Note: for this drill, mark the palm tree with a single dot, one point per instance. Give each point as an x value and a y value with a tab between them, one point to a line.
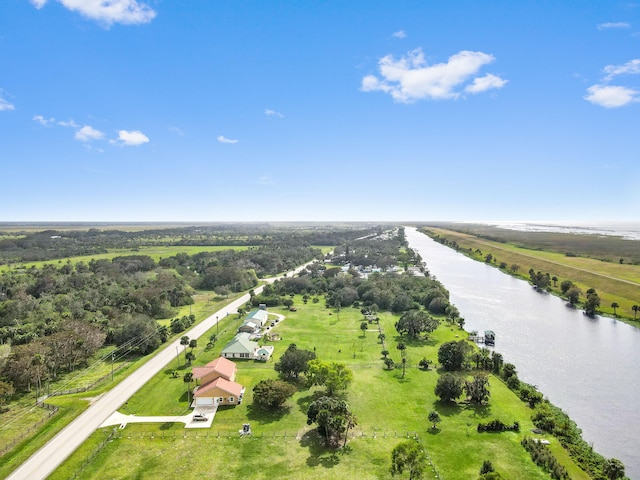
363	327
193	343
188	377
404	365
382	337
614	305
184	340
555	281
635	309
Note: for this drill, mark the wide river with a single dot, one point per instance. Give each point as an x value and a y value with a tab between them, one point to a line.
589	367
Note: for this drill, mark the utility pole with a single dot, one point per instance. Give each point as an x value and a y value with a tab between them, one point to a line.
113	359
217	326
178	356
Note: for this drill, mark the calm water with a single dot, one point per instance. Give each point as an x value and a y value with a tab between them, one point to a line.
589	367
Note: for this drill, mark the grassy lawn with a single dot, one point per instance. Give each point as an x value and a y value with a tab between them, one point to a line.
388	407
611	280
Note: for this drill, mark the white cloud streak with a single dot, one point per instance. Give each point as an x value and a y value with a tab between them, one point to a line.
410	78
399	34
488	82
45	122
273	113
4	104
88	133
108	12
613	25
223	139
133	138
630	68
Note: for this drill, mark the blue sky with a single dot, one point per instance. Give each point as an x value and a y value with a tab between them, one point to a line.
202	110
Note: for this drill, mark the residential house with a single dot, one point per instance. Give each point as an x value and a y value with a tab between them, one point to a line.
217	384
241	346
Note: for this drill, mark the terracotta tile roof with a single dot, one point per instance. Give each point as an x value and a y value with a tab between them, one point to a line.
225	368
223	384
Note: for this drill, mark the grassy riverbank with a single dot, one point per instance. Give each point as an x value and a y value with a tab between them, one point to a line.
389	406
615	282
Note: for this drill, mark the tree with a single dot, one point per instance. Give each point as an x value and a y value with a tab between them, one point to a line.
6	390
187	379
272	394
184	340
565	286
434	418
333	417
381	336
409	456
451	355
193	343
404	366
189	357
413	323
514	267
476	388
293	362
592	303
636	309
554	279
389	363
613	469
385	353
287	302
403	349
449	387
615	305
332	375
424	363
487	467
364	326
573	295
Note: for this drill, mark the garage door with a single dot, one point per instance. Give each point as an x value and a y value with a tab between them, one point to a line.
204	401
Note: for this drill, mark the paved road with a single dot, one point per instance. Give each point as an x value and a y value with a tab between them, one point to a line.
50	456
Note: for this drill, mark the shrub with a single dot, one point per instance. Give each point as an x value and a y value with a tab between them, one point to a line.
498	426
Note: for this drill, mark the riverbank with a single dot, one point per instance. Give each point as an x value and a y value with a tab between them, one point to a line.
582	364
616	284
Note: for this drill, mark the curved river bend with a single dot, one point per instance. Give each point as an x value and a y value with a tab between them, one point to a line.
589	367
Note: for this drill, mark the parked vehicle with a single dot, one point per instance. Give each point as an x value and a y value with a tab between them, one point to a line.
200	417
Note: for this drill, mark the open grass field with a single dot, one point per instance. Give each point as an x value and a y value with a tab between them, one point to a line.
388	407
614	282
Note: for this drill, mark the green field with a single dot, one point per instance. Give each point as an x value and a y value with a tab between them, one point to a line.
388	407
614	282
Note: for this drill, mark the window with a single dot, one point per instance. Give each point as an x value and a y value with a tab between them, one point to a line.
231	399
221	399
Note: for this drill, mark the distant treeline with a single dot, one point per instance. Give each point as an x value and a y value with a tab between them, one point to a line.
53	244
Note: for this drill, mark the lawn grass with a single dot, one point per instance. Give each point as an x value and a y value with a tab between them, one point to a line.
388	405
614	282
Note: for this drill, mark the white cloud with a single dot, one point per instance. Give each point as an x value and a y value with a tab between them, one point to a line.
273	113
610	25
177	131
45	122
69	123
614	96
411	78
133	138
88	133
4	104
399	34
223	139
482	84
610	96
128	12
630	68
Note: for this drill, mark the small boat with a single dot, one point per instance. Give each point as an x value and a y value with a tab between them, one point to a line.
489	337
